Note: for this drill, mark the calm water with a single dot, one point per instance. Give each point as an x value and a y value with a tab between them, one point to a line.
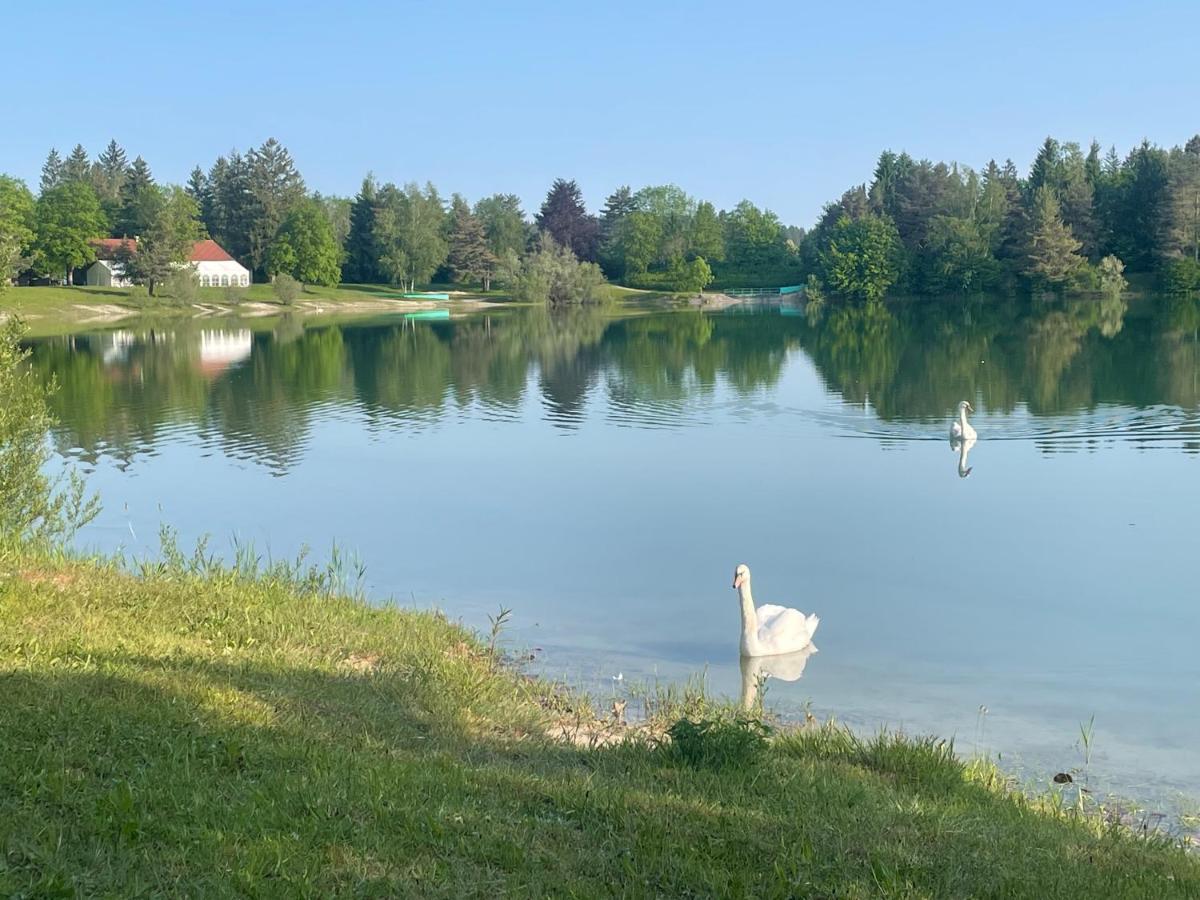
602	474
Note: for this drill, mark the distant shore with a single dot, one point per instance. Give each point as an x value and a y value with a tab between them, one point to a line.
60	310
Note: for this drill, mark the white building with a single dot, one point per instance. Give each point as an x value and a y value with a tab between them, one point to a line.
106	271
213	266
216	268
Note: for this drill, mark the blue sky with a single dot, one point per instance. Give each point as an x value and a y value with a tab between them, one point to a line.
786	104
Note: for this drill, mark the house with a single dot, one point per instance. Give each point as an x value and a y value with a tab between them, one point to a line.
212	265
216	268
106	271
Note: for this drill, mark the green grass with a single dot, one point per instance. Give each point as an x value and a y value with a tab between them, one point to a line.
209	734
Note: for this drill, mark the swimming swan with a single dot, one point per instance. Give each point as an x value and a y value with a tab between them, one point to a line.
960	427
770	630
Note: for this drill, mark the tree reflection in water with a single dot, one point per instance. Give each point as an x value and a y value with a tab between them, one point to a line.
258	394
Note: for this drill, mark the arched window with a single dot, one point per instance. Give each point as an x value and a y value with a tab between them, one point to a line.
245	280
203	281
224	281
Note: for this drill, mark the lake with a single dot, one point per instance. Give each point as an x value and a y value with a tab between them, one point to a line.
601	473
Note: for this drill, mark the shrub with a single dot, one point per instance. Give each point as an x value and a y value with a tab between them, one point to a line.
183	286
1112	277
551	274
1181	276
287	289
716	743
32	506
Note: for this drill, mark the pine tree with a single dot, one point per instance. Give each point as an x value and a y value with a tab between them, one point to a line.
276	188
111	170
470	257
1045	167
77	167
1184	229
1140	218
564	217
362	254
1112	163
1092	167
140	200
52	171
708	237
619	205
197	188
1053	252
229	211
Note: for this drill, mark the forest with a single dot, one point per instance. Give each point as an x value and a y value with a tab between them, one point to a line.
1078	222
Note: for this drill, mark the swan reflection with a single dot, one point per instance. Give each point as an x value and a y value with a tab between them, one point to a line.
757	669
962	448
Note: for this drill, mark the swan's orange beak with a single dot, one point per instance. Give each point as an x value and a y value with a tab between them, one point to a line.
737	581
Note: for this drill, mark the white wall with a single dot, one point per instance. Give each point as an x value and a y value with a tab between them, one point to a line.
225	272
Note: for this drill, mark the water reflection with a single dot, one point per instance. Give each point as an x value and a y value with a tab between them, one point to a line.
1058	368
962	446
757	670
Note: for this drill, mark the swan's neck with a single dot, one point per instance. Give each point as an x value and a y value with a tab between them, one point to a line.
962	419
749	620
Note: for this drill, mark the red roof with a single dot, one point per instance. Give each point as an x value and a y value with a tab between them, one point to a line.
106	248
209	251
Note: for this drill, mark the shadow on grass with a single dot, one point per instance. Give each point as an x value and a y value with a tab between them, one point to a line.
220	777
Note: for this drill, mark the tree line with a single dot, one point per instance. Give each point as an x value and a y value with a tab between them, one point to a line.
257	207
1077	222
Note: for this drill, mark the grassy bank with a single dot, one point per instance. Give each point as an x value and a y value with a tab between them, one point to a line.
59	310
179	735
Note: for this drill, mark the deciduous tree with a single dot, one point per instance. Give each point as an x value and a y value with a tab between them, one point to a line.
68	217
305	247
862	258
504	223
16	227
409	233
166	242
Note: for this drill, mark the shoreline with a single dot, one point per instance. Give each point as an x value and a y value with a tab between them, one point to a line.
62	312
48	311
218	732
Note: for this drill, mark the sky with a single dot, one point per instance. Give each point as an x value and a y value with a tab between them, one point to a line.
785	104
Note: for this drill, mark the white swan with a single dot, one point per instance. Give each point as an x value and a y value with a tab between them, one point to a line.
770	630
962	448
960	427
757	669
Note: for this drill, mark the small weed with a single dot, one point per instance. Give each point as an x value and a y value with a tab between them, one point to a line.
499	621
